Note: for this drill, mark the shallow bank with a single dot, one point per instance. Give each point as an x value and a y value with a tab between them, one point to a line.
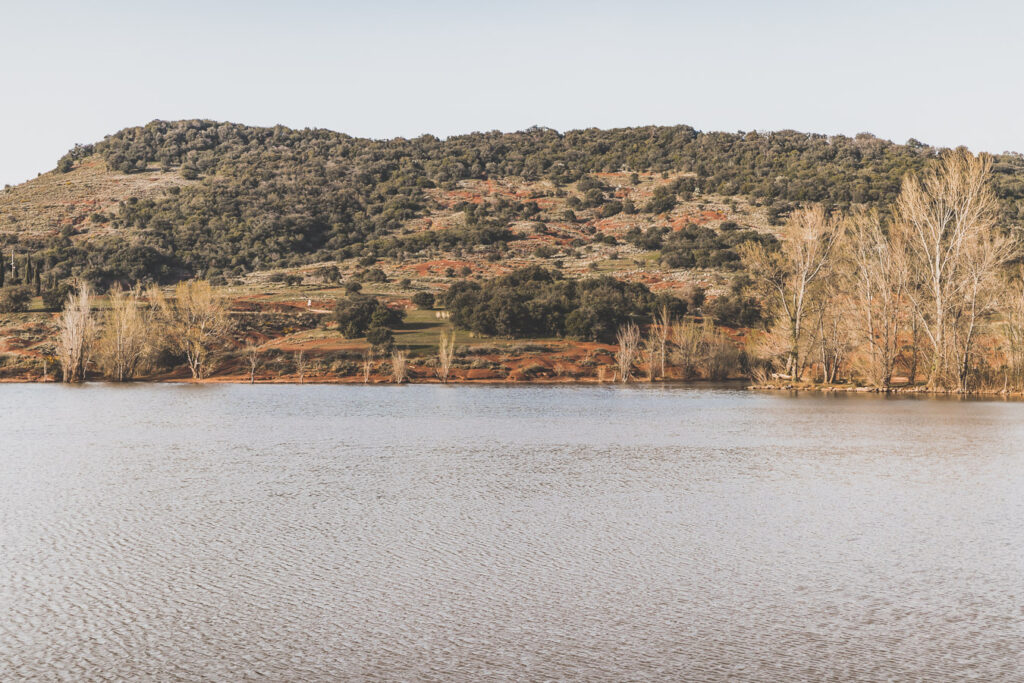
903	390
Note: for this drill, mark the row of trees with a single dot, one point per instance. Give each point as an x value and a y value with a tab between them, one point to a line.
923	289
694	349
137	328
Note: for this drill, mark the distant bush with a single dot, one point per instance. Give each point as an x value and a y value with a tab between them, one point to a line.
662	200
374	275
15	298
329	274
381	338
356	314
55	297
701	247
423	299
610	209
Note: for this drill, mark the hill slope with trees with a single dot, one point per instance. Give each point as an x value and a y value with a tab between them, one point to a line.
227	199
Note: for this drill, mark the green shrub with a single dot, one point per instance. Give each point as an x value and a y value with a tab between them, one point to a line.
15	298
356	314
423	300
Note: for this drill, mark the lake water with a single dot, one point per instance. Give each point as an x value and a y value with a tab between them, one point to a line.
489	533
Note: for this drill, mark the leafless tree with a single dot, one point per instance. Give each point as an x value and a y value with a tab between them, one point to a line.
196	319
788	277
629	343
947	220
300	366
687	338
76	332
832	334
252	356
399	366
875	274
124	346
981	296
661	330
651	351
1012	332
721	355
367	366
445	354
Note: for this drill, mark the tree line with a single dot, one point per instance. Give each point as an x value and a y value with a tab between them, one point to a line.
928	290
140	329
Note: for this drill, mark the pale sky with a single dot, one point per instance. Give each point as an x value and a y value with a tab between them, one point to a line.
942	72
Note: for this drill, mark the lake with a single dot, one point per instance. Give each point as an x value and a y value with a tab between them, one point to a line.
481	533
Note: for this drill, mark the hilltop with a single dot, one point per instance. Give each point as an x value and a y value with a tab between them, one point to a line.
174	200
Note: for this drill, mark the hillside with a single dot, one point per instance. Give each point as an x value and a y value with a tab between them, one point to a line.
535	250
173	200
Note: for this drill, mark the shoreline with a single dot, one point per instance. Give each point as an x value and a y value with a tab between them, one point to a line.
739	384
891	391
234	379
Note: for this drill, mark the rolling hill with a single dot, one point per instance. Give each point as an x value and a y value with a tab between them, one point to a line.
173	200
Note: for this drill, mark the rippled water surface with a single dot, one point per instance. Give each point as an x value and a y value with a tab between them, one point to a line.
472	533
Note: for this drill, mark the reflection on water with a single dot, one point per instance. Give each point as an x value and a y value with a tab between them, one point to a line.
429	532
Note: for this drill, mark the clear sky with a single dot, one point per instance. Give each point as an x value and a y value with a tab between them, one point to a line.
945	73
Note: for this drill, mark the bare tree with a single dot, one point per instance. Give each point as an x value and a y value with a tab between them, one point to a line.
981	296
124	345
686	353
76	332
704	349
367	366
721	355
399	366
947	220
629	343
661	330
832	333
1013	332
445	354
875	274
788	277
196	319
300	366
252	356
651	350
